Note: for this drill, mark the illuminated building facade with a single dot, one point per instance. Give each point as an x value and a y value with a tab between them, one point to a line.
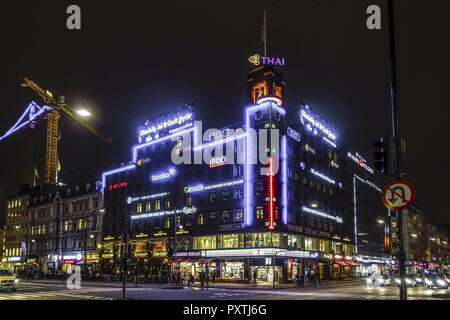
231	215
16	229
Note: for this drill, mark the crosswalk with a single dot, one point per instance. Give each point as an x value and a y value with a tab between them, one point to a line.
63	294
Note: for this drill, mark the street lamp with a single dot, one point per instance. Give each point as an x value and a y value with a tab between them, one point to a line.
83	112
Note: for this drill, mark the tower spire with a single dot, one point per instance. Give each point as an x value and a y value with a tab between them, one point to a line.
264	33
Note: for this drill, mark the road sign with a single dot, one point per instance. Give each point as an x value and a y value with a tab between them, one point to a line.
398	195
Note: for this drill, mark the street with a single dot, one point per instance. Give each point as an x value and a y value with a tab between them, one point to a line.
350	290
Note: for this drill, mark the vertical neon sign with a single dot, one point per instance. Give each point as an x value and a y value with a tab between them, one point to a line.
271	227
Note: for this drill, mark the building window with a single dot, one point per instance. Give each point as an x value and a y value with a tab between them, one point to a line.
225	216
167	204
238	215
238	193
226	194
212	196
188	220
158	205
260	212
200	219
167	223
139	208
259	188
212	217
148	206
189	201
203	243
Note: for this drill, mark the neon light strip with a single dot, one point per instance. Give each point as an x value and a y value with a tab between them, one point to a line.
373	185
111	172
329	141
324	177
271	227
140	146
32	116
322	214
285	179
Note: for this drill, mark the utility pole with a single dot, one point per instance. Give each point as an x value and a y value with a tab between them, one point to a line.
264	33
397	170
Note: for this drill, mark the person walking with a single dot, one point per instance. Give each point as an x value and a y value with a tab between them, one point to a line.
297	280
255	276
213	277
302	280
202	279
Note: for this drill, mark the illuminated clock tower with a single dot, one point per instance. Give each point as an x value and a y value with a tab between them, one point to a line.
266	201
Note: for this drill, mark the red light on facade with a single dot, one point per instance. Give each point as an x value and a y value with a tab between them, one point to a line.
271	227
118	185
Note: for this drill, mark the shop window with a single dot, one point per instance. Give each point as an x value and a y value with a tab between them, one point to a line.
312	222
139	208
259	240
231	241
204	243
260	212
312	244
324	246
336	247
296	242
297	176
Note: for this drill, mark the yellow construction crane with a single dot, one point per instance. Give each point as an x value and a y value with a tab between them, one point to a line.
51	156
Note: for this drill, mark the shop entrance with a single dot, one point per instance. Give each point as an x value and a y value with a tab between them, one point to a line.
265	274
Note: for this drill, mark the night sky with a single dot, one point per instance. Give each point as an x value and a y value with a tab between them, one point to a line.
134	60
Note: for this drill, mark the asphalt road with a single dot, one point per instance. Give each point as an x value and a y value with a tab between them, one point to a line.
37	290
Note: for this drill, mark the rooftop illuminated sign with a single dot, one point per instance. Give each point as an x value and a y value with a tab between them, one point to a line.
174	121
317	125
163	175
360	161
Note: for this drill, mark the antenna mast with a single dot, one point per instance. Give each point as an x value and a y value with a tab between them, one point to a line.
264	37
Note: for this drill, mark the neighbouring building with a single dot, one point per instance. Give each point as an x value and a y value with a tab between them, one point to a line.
65	228
2	244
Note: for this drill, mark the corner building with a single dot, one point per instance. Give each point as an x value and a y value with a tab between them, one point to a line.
233	215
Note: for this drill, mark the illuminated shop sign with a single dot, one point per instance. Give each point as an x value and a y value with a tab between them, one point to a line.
322	214
167	124
118	185
360	161
309	149
141	162
147	197
217	162
14	259
293	134
256	59
225	133
72	257
202	187
318	126
185	210
322	176
188	254
164	175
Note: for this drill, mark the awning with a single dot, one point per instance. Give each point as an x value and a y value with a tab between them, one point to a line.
351	263
341	263
198	260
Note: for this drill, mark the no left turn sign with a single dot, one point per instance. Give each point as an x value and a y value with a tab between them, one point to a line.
398	195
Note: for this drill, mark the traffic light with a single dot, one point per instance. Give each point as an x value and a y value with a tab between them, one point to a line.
380	155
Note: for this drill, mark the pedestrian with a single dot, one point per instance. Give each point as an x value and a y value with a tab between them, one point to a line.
255	276
297	280
302	280
213	277
202	279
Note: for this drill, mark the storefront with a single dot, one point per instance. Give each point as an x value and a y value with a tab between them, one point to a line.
232	270
369	266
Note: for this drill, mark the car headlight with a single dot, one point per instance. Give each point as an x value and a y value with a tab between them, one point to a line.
397	280
16	280
408	281
441	282
419	280
428	282
380	280
446	279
